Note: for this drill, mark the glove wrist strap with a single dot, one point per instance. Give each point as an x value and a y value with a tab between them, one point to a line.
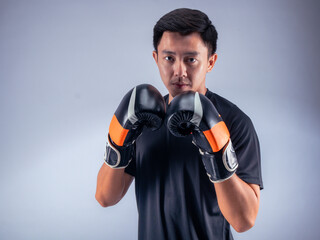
222	165
117	157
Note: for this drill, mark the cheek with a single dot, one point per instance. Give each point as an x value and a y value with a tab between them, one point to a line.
165	72
198	72
197	76
203	69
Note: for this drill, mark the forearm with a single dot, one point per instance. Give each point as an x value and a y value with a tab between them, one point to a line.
111	185
238	202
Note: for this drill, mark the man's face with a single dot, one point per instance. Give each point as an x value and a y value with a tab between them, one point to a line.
183	62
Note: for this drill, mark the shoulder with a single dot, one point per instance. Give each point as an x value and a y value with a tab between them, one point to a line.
218	101
238	123
229	111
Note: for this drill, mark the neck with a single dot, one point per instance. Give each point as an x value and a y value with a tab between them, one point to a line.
201	92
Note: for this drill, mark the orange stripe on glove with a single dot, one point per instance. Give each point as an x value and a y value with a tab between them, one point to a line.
217	136
117	133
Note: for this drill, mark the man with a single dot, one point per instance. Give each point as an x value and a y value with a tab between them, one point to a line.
183	190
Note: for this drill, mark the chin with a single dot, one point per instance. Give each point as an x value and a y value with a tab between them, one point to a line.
176	92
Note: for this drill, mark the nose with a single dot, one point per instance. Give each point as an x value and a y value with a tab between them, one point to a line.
180	69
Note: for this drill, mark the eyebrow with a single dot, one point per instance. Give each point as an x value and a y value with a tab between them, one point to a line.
193	53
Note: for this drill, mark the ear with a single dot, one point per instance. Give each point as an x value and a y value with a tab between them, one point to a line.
212	60
155	56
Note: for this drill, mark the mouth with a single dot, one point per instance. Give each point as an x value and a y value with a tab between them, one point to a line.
181	85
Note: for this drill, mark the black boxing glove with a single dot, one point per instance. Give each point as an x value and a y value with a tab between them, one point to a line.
143	106
191	112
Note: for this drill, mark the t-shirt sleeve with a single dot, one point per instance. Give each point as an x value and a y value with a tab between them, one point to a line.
131	168
246	144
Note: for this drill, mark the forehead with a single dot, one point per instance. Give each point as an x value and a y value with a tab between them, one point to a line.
173	41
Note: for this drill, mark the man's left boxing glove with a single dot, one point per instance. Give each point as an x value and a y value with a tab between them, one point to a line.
143	106
191	112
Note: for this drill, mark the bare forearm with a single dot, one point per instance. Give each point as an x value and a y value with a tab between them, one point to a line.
111	185
238	202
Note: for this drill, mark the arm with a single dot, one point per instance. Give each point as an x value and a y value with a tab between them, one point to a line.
238	202
112	185
141	106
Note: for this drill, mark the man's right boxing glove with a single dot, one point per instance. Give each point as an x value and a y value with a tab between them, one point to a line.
143	106
191	112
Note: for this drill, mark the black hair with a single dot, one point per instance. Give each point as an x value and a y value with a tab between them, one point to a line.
186	21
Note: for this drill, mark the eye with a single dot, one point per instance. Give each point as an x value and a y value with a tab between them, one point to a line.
169	58
191	60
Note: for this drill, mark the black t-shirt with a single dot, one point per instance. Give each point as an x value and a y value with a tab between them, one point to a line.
175	197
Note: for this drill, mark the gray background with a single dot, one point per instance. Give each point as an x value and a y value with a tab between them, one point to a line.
64	67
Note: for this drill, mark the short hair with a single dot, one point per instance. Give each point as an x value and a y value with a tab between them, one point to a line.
186	21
